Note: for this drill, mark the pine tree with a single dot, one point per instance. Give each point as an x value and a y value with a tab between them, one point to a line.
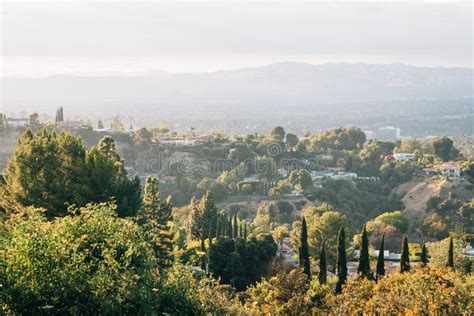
229	227
424	257
304	262
236	227
405	257
364	261
341	262
322	265
450	260
380	258
155	217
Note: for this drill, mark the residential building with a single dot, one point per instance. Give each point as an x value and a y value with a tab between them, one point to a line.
404	157
388	134
450	170
16	122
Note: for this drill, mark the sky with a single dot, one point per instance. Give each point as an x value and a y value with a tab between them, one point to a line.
44	38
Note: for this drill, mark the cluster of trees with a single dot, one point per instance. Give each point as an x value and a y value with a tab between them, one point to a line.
51	171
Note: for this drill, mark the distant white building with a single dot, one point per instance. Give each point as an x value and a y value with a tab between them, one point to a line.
450	170
16	122
404	157
388	134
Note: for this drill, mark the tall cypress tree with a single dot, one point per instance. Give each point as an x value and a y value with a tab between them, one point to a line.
450	261
405	257
322	265
155	217
364	261
380	258
341	262
304	262
245	231
424	256
241	230
236	227
229	227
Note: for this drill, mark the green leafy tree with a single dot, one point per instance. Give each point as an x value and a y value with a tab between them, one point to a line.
301	177
155	217
278	134
341	263
444	148
303	253
405	256
364	261
87	262
380	259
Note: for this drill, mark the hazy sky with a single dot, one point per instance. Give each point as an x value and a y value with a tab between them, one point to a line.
125	38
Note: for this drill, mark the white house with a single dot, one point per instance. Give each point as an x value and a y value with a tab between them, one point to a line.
404	157
16	122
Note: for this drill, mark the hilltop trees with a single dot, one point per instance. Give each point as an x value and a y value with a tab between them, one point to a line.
50	171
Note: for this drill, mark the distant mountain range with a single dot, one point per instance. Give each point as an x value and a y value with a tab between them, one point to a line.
277	85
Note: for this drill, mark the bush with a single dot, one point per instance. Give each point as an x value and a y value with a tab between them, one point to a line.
92	262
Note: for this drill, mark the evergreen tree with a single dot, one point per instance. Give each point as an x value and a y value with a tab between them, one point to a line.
155	217
405	257
450	260
241	230
341	262
229	227
322	266
245	231
304	262
380	258
424	257
236	227
364	261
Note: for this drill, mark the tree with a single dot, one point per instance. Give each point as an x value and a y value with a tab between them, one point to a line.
424	255
304	262
236	227
34	118
405	256
341	262
450	260
322	276
202	218
278	134
301	177
444	148
155	217
291	141
364	261
380	259
87	262
280	233
100	125
51	171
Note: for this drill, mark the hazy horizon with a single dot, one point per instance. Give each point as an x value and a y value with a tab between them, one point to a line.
116	38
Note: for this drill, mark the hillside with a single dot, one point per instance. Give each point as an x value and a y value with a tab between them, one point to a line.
278	85
417	193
